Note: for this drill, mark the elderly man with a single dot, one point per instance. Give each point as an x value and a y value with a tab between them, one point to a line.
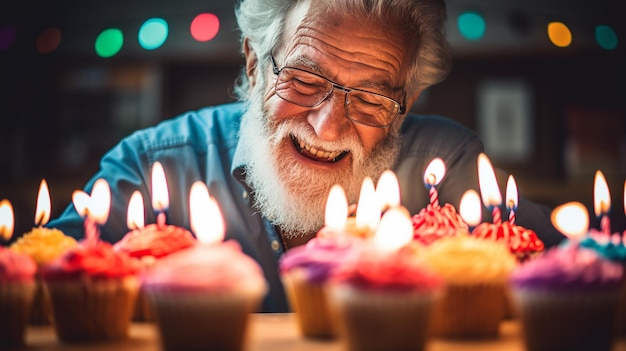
326	90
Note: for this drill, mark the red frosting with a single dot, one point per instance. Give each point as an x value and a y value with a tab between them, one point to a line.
155	240
97	260
521	241
435	222
16	267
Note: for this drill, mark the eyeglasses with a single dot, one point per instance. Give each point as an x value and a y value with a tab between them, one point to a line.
308	89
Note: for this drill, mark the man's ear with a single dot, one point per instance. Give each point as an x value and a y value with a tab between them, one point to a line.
251	62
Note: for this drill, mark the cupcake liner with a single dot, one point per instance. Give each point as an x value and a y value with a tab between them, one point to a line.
381	321
201	320
41	311
470	311
92	310
567	320
620	323
309	302
15	304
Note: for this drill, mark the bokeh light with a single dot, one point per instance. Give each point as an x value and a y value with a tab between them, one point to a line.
109	42
153	33
48	40
606	37
559	34
204	27
471	25
7	36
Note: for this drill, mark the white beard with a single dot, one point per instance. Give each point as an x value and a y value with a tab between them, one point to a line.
289	194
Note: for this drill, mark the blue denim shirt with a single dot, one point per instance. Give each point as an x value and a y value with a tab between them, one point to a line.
203	145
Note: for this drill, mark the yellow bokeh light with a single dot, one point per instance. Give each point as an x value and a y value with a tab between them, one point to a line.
559	34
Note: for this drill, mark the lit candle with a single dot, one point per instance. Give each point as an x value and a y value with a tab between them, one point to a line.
388	190
511	198
135	213
602	202
6	220
94	208
205	215
160	197
43	209
395	230
368	209
470	208
336	212
434	173
571	219
492	198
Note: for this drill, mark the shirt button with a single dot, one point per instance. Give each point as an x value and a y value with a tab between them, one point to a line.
245	195
275	245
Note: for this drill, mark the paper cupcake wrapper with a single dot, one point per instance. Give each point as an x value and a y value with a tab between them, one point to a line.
15	304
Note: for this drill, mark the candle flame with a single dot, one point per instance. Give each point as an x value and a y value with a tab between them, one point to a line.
601	195
368	209
488	183
205	215
95	206
80	199
43	209
470	208
435	171
571	219
6	220
160	197
511	193
135	214
336	208
388	190
395	230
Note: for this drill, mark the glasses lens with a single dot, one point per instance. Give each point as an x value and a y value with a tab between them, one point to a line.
371	109
302	88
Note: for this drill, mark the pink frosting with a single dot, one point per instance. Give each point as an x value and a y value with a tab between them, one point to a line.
16	267
155	240
374	270
435	222
521	241
221	267
97	260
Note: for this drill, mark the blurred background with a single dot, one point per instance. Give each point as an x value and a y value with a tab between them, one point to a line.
542	81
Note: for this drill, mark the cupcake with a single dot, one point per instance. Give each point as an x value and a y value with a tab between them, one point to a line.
203	295
383	301
44	245
305	271
476	273
522	242
567	299
17	289
92	290
149	244
435	222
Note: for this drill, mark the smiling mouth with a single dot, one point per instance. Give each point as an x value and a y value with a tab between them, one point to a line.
314	154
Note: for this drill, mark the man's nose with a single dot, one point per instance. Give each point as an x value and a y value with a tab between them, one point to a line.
329	119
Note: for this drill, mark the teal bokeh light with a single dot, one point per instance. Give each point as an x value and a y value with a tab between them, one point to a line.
606	37
109	42
153	33
471	25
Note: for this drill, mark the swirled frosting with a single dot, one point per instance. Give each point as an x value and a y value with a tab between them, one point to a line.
610	247
379	271
566	269
221	267
155	240
44	244
16	267
434	222
464	259
522	242
319	257
96	260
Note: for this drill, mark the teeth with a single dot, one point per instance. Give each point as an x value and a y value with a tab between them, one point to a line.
329	155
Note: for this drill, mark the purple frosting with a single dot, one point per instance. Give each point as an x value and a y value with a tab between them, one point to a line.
320	256
570	268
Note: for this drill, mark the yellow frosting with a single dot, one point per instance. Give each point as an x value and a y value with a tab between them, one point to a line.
464	259
43	244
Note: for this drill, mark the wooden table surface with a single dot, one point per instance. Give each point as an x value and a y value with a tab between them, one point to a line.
273	332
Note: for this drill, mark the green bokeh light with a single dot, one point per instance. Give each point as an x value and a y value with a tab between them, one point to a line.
109	42
606	37
471	25
153	33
